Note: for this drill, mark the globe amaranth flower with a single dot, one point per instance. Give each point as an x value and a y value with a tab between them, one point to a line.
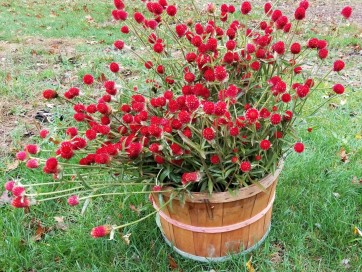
299	147
346	12
101	231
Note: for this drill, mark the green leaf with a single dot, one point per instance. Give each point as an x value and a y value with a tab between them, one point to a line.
191	144
211	186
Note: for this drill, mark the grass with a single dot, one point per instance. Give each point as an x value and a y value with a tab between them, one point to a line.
317	203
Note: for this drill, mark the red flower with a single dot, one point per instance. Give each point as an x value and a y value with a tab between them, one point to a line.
295	48
252	115
43	133
50	94
21	156
299	147
208	134
125	29
299	13
234	131
91	134
230	45
245	7
190	177
9	185
304	4
338	65
31	149
18	191
312	43
208	107
181	30
220	73
73	200
209	75
276	14
338	89
33	163
265	144
51	164
189	77
72	132
245	166
184	117
286	98
158	47
267	8
220	108
346	12
215	159
114	67
275	118
171	10
118	4
88	79
255	65
138	16
323	53
101	231
134	149
148	64
102	158
279	47
20	202
302	91
192	102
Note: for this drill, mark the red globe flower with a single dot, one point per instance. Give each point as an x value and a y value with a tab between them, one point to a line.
299	147
265	144
245	166
346	12
338	89
245	7
88	79
208	134
101	231
338	65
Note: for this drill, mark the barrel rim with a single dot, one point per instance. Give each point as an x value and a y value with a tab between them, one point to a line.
224	197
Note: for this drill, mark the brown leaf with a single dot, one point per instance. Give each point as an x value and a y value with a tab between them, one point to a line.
8	78
12	166
126	238
135	209
5	198
33	53
102	78
40	231
54	141
85	8
343	155
60	223
356	181
172	263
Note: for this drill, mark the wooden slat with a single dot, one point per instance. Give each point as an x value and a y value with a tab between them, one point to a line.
207	215
257	228
183	239
166	227
235	212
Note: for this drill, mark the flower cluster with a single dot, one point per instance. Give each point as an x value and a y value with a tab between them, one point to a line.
216	110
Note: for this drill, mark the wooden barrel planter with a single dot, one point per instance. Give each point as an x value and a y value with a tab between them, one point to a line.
211	228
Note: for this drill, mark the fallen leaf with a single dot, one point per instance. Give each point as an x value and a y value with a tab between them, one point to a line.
135	209
12	166
337	195
40	231
345	263
85	8
5	198
333	106
54	141
126	238
343	155
249	265
172	263
33	52
89	19
102	78
357	231
8	78
60	223
356	181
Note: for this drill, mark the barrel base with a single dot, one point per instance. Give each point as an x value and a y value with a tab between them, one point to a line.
209	259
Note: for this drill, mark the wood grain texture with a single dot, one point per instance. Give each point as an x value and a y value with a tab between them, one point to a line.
211	212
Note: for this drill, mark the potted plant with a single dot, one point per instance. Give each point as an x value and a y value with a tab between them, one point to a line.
205	132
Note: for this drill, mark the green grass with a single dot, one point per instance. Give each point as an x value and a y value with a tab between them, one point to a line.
316	207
